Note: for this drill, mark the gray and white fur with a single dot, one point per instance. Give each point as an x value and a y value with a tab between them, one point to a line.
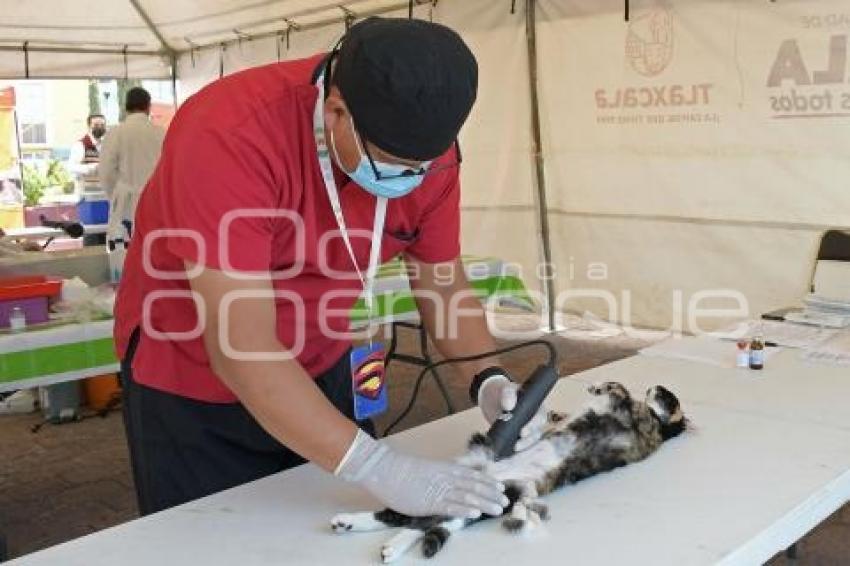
611	431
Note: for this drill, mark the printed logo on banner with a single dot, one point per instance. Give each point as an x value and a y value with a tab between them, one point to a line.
810	73
649	51
649	42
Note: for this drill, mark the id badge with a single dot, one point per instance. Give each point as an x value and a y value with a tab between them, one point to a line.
367	381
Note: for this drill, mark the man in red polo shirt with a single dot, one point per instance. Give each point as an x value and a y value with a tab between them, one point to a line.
279	191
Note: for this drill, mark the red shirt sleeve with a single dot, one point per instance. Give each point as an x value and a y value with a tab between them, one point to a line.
223	194
439	230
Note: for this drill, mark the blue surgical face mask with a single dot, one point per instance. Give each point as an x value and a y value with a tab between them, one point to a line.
393	187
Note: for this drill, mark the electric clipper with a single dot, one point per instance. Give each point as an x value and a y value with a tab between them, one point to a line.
504	433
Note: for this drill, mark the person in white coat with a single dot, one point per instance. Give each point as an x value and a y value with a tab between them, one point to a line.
127	160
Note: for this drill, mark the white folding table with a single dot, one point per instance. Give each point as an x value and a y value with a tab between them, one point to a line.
767	460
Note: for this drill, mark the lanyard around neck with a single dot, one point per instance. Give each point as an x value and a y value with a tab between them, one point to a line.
368	280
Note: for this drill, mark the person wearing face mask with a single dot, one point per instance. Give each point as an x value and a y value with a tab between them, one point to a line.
279	191
85	153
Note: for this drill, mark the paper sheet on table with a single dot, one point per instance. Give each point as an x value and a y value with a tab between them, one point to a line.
821	303
700	349
785	334
835	351
832	280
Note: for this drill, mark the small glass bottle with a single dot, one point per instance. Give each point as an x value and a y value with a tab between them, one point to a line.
17	320
742	360
757	352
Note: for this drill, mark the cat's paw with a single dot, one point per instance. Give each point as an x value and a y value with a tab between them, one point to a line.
390	553
611	388
343	522
394	548
534	519
540	511
357	522
513	525
433	540
554	417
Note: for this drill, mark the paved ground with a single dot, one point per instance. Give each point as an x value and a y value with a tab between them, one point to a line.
70	480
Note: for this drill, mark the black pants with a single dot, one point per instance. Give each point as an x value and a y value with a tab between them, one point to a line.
182	449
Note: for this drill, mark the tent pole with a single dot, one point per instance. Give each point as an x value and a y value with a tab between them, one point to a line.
151	26
174	79
539	172
18	145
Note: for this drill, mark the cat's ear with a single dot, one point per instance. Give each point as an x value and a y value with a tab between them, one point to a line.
673	428
664	404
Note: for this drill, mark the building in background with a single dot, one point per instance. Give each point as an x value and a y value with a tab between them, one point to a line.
162	102
51	116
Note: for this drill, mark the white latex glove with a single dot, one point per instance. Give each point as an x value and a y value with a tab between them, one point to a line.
417	486
498	394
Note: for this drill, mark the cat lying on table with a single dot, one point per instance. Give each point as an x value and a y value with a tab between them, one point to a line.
611	431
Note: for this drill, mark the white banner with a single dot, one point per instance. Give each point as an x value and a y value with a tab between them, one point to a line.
702	146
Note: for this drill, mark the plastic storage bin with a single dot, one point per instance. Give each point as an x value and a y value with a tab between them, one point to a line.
93	211
60	403
30	293
102	391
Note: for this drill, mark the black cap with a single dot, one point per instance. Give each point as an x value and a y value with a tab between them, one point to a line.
409	84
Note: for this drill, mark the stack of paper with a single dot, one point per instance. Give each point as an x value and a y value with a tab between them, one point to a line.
834	351
823	311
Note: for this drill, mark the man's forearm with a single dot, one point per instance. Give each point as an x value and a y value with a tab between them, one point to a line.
467	335
280	395
287	403
455	320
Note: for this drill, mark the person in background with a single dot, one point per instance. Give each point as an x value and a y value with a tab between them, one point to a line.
85	153
129	155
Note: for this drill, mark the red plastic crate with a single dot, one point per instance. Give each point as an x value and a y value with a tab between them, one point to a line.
28	287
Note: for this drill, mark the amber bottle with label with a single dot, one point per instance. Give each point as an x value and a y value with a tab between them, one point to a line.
757	353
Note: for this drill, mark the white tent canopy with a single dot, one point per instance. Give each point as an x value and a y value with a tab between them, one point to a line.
89	38
691	157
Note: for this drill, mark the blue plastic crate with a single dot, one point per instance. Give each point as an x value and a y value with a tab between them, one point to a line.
93	211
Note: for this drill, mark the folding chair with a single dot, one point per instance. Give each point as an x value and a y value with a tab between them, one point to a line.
834	246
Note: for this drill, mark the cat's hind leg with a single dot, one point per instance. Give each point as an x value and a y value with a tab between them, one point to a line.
527	510
518	518
538	509
432	531
358	522
400	543
380	520
435	538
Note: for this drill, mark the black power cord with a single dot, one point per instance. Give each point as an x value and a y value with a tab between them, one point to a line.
418	384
